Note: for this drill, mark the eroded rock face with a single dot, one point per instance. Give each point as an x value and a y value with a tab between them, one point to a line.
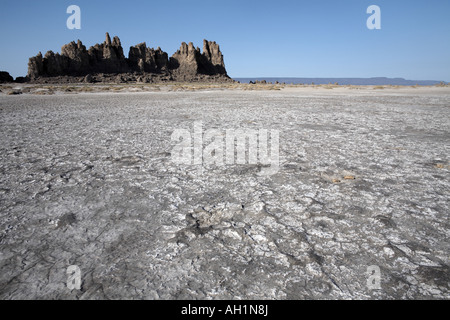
186	60
107	57
188	63
213	57
145	59
56	64
77	58
36	66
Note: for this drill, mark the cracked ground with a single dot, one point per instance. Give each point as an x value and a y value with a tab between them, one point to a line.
88	180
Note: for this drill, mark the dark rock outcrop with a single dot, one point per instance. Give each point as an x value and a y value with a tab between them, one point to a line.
107	57
21	80
188	61
187	64
36	67
145	59
213	62
5	77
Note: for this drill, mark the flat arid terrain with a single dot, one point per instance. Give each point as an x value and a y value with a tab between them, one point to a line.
357	209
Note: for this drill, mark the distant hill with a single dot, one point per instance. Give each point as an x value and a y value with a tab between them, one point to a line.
346	81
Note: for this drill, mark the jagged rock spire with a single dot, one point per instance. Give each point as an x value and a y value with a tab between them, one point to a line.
108	39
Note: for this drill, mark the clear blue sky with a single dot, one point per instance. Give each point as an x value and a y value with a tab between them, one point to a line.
259	38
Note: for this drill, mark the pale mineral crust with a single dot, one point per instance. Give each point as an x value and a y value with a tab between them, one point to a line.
88	180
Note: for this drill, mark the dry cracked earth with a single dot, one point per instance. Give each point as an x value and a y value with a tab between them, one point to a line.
88	180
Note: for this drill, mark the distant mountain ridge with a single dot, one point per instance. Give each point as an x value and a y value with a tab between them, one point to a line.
345	81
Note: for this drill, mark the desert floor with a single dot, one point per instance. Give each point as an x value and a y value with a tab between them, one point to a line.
88	179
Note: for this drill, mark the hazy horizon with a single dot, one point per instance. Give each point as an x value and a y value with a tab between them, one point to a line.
344	81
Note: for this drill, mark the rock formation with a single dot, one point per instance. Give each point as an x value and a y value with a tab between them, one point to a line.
213	57
5	77
107	57
143	64
188	61
143	59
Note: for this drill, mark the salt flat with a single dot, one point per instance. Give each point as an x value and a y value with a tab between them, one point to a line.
88	180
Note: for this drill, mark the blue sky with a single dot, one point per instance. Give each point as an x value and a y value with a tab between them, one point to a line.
259	38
